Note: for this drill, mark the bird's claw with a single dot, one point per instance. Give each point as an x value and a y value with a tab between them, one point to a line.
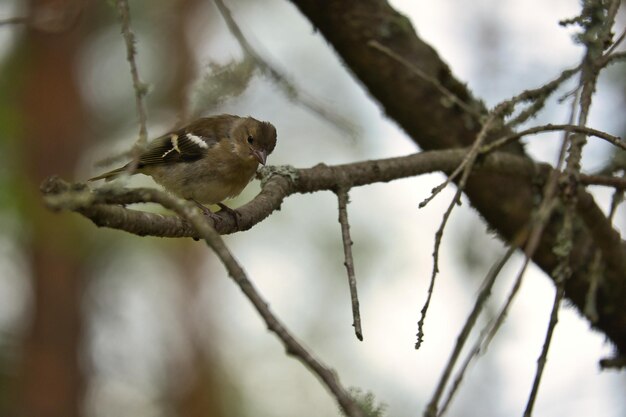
234	213
223	207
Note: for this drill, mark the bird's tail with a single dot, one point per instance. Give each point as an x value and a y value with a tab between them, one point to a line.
108	176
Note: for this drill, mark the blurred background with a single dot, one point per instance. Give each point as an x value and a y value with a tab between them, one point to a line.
99	322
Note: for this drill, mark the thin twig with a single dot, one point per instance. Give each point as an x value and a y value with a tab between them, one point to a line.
435	271
616	57
140	88
588	79
503	108
292	346
541	217
481	299
435	191
613	47
619	183
562	249
194	216
541	362
458	379
538	97
289	88
342	197
467	163
423	75
615	140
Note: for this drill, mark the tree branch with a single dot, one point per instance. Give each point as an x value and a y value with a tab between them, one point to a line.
104	208
81	199
434	122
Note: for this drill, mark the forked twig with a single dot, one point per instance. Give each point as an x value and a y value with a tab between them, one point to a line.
467	164
194	216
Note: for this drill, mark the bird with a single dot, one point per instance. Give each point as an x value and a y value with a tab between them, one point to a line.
208	161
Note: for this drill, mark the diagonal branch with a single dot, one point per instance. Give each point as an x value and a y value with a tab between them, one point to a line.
83	198
426	115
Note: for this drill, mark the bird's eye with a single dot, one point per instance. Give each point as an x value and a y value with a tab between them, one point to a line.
250	140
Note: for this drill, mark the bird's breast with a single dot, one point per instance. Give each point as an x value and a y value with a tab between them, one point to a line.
206	181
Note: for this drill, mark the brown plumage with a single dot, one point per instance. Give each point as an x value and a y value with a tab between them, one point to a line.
208	161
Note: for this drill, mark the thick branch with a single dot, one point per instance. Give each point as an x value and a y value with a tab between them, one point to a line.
104	208
427	115
108	209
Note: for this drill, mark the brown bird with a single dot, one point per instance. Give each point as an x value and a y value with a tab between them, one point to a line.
209	160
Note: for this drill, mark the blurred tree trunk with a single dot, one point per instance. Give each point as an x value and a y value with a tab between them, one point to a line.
50	383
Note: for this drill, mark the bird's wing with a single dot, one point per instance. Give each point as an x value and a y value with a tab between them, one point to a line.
179	146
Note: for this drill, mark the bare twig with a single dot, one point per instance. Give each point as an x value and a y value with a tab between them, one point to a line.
435	191
561	277
435	271
415	70
202	225
541	362
289	88
538	97
140	88
619	183
458	379
467	163
616	57
613	47
291	344
342	197
595	39
541	217
615	140
481	299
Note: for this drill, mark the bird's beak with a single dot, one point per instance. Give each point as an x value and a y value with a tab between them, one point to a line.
260	155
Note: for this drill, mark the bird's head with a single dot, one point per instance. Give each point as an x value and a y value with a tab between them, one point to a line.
254	140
